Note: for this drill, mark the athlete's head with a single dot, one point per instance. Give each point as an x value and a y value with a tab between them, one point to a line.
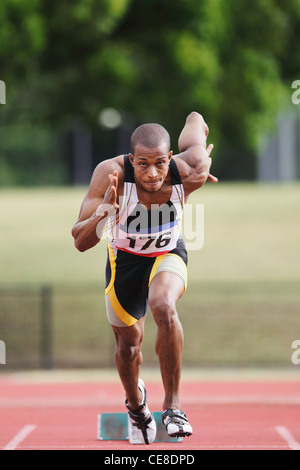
150	155
149	135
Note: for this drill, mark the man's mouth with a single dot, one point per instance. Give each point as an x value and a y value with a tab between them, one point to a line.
152	184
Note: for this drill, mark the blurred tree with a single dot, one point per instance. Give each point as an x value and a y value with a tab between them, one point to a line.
155	60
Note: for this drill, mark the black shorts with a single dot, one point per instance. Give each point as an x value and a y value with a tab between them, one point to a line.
128	278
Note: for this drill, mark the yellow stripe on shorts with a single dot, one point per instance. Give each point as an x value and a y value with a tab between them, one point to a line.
165	263
112	262
157	262
110	291
119	310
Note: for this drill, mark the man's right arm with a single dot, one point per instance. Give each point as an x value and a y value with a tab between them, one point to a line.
101	196
194	158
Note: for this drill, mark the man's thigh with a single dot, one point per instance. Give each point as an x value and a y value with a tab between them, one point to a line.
170	279
166	286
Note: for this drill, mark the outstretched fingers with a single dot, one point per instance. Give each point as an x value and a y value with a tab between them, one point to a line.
211	178
209	148
109	204
113	189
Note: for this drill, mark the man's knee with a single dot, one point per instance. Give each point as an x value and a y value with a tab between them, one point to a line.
128	352
129	341
163	311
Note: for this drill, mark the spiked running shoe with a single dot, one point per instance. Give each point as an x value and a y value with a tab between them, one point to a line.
141	424
177	424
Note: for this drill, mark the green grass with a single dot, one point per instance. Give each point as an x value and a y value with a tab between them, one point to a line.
252	232
37	246
242	302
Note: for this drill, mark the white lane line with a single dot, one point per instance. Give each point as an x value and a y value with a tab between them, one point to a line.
19	437
288	437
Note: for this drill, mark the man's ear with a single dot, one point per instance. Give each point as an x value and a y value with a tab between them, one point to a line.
131	158
170	154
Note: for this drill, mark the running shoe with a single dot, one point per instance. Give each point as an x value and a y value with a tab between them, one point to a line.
141	424
177	424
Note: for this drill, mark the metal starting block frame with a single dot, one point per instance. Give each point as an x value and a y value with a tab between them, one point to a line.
114	427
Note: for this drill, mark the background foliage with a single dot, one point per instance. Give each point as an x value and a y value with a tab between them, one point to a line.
153	60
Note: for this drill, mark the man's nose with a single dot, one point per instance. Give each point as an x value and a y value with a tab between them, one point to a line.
152	173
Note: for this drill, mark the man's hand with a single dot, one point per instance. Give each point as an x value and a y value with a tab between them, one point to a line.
211	178
109	205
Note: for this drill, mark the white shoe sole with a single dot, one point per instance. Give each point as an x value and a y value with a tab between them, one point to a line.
139	436
174	430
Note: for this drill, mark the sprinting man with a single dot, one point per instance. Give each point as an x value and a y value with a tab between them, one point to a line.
141	197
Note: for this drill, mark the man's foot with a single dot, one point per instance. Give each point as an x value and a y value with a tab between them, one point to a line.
177	424
141	424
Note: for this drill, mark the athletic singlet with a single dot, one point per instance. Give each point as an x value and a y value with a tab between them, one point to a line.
143	232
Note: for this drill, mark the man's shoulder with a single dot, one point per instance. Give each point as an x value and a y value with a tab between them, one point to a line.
189	175
109	166
193	166
183	168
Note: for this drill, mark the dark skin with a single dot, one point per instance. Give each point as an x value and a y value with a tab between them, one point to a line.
153	183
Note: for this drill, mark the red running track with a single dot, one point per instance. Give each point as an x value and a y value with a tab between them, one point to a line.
229	415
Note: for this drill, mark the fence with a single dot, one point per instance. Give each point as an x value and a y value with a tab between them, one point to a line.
49	326
225	324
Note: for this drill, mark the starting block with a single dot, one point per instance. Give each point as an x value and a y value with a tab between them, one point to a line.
114	427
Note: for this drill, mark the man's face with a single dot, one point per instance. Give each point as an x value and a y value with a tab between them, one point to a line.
151	166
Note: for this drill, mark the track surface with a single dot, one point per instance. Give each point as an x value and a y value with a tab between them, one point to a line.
233	415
